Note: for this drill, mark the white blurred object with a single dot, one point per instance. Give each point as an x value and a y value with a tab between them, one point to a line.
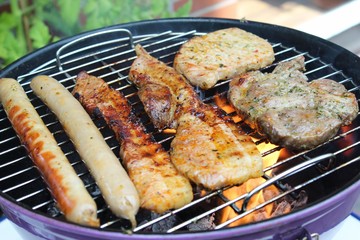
334	21
8	231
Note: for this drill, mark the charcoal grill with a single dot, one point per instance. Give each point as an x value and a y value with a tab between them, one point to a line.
329	174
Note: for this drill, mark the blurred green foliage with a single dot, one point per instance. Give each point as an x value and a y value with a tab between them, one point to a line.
26	25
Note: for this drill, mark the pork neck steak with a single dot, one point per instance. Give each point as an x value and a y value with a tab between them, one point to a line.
220	55
289	110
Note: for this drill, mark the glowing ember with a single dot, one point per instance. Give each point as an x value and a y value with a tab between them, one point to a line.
169	131
226	107
258	198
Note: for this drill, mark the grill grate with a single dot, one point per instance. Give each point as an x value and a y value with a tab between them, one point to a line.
111	60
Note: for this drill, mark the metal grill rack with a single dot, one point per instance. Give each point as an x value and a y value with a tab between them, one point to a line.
111	60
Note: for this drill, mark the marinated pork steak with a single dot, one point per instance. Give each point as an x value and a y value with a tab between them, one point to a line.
289	110
207	148
223	54
161	187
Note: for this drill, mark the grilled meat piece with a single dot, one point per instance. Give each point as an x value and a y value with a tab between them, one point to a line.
289	110
166	95
208	147
161	187
223	54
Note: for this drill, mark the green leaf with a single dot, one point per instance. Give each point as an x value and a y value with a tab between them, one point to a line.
69	11
11	48
15	10
8	21
39	34
69	17
184	10
55	39
159	7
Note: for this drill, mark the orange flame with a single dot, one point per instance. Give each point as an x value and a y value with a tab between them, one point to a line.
255	200
222	103
263	195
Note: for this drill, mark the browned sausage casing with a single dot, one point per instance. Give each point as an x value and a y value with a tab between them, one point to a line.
114	183
66	187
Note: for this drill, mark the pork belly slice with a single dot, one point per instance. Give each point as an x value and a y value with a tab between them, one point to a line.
289	110
220	55
161	187
208	147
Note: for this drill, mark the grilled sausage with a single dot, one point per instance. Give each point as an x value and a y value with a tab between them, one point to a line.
114	183
66	187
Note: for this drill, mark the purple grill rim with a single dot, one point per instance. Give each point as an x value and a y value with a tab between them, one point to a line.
313	218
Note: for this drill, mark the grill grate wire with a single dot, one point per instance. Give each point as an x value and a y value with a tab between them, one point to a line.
111	61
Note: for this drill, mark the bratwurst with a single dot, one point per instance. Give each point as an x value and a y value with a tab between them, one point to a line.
66	187
114	183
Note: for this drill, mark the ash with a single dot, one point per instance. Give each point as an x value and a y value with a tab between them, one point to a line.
206	223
